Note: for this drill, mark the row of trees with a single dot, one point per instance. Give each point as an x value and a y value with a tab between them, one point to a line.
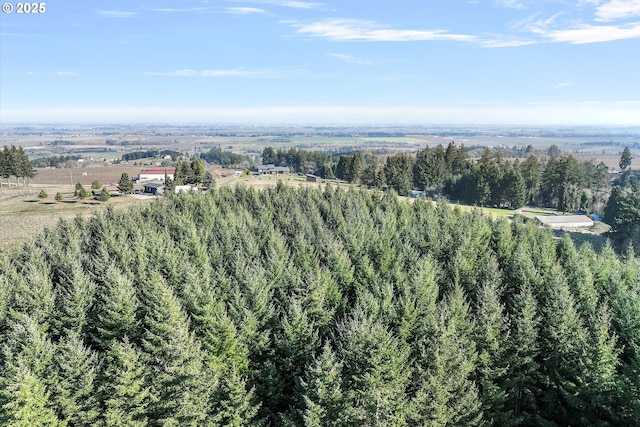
136	155
54	161
14	162
224	158
303	307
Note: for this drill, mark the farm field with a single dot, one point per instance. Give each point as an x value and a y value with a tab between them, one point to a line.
23	215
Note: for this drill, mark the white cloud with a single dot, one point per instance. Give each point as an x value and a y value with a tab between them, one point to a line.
244	10
116	14
617	9
349	59
585	33
563	84
265	73
358	30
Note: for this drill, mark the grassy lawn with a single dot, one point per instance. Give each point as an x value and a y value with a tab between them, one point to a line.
535	212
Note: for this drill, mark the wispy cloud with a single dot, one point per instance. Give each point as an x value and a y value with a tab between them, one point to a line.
346	30
501	41
358	30
349	59
586	33
265	73
116	14
563	84
513	4
180	10
617	9
296	4
244	10
67	73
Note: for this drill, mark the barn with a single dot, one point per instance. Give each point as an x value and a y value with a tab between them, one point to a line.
565	221
156	174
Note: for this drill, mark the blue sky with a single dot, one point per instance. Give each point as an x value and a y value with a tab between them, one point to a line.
323	62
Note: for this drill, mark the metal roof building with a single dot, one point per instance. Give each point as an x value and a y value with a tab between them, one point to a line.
562	221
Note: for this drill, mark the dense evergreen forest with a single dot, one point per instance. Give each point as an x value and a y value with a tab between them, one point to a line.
304	307
560	181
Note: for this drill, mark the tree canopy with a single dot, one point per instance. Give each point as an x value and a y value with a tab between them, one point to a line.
311	307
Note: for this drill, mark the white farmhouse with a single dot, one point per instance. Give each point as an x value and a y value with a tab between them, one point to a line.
156	174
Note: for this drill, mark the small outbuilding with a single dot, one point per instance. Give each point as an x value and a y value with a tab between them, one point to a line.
565	221
312	178
154	188
271	169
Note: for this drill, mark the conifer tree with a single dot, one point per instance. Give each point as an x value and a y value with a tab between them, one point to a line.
523	378
25	401
236	407
80	191
74	297
492	338
625	159
26	374
75	390
115	315
376	371
447	394
33	288
398	173
104	195
564	341
370	174
125	185
324	397
178	383
123	387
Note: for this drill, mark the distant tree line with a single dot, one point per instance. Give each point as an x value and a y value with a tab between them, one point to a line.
14	162
54	161
224	158
136	155
329	165
560	181
311	307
